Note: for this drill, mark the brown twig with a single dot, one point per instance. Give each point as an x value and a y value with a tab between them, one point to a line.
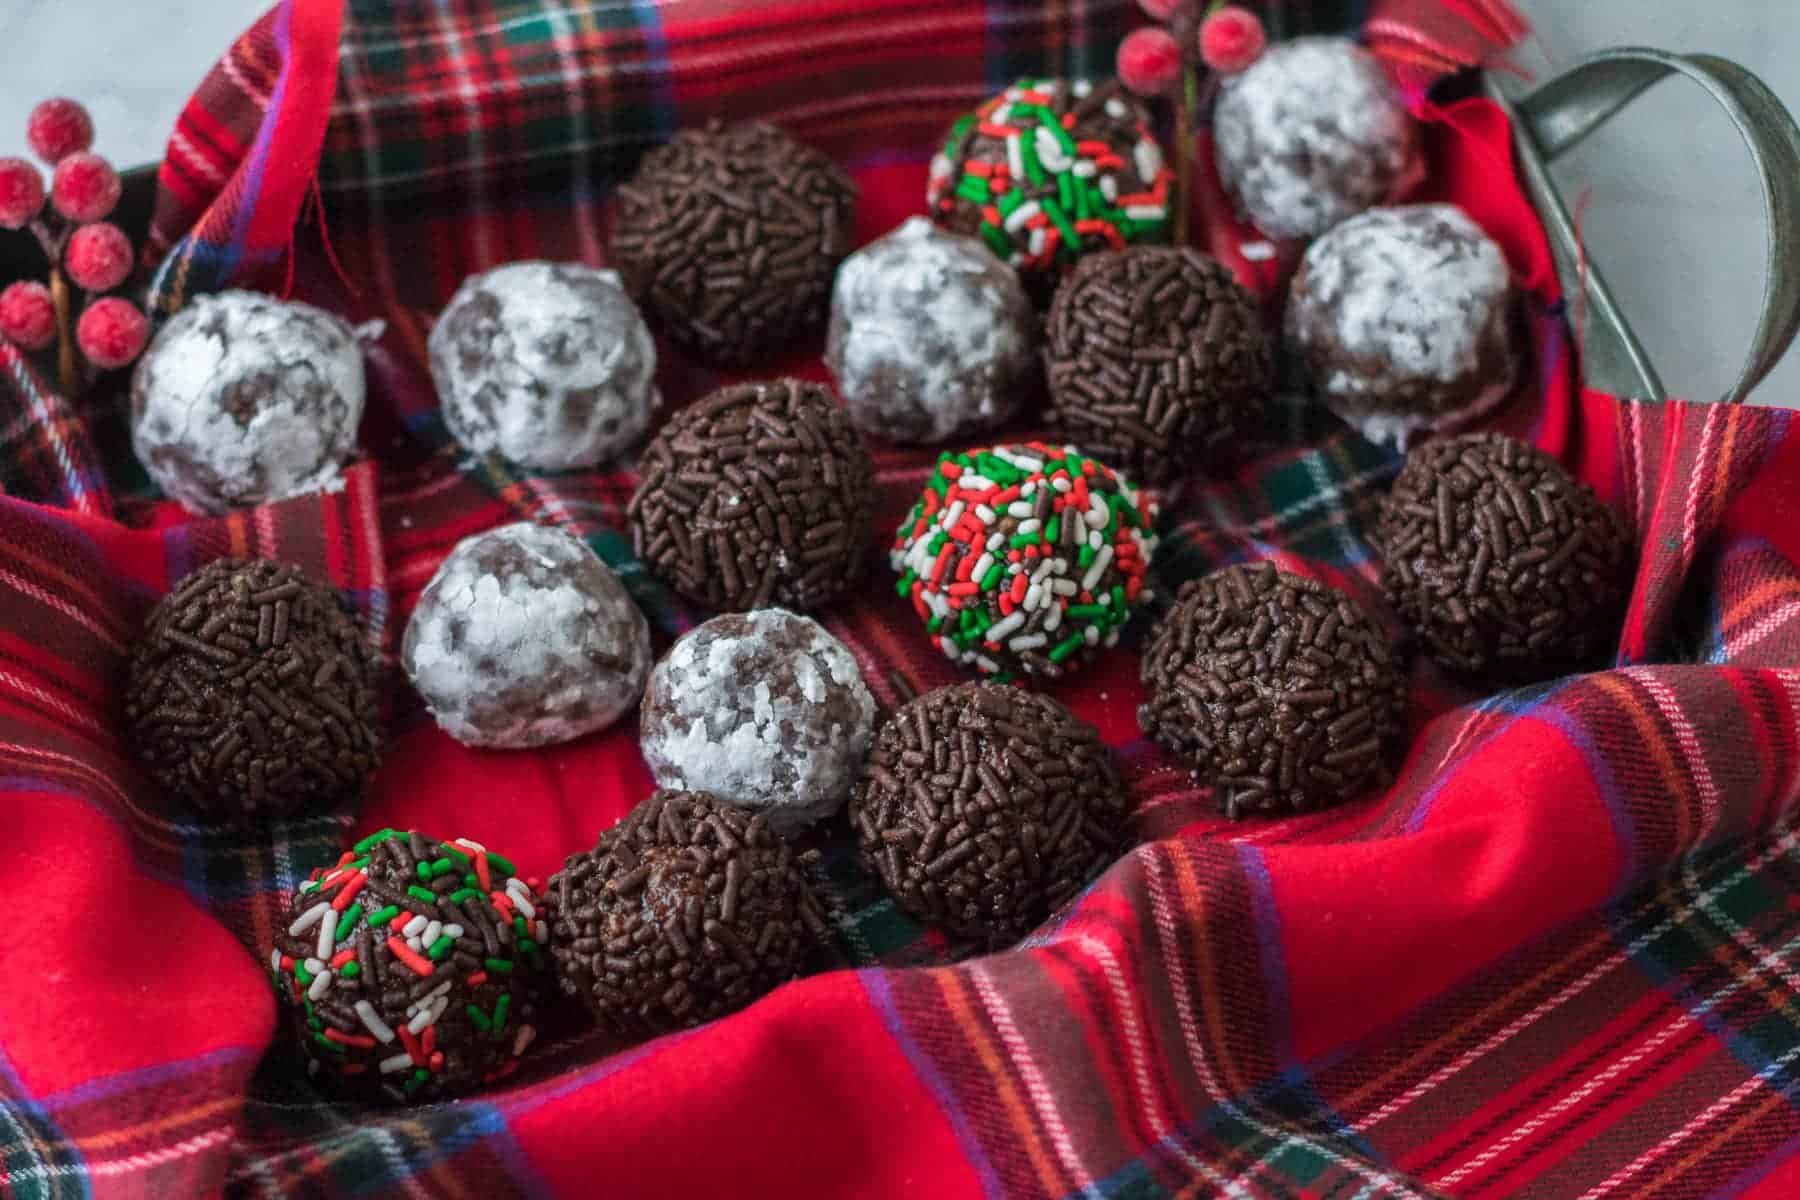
65	332
1182	192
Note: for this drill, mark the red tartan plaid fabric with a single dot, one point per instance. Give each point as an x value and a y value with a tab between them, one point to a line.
1560	957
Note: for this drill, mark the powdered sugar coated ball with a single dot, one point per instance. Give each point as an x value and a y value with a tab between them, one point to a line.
932	336
1402	319
524	637
764	709
242	399
1310	134
547	364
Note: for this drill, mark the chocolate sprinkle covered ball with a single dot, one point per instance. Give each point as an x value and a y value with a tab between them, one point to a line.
524	637
1313	133
411	968
1049	170
758	494
546	364
766	710
1025	559
685	911
242	399
1280	692
1502	563
985	807
932	338
729	237
1402	320
252	694
1158	361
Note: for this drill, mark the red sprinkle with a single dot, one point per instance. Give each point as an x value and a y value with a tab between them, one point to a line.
411	1043
477	979
403	952
340	958
349	1039
349	893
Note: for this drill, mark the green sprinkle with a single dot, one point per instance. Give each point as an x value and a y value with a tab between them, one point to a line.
1085	556
500	864
420	1074
974	190
1051	529
1002	247
527	945
348	921
936	543
439	948
382	916
1008	201
519	924
327	1043
1065	190
1071	240
374	840
1019	541
424	870
461	894
1087	612
480	1018
472	880
963	124
302	974
992	579
419	893
500	1007
502	965
350	970
903	589
1066	647
452	852
1118	595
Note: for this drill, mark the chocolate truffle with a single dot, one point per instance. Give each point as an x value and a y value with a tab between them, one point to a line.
242	399
1049	170
758	494
1402	319
685	911
1025	559
1313	133
1502	563
1279	691
763	709
729	237
252	695
546	364
411	969
1158	361
524	637
932	338
986	807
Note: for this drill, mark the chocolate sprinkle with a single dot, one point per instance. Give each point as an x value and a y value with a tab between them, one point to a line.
1158	361
427	982
252	694
1280	692
1502	564
758	494
685	911
728	238
984	808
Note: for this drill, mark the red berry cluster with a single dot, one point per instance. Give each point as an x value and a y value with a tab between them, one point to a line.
84	248
1226	37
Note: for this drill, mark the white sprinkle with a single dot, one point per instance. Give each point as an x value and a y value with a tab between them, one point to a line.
1050	151
1105	598
996	541
1018	508
986	514
432	930
1095	540
1085	169
1020	215
541	932
415	927
1145	212
1061	483
1015	155
421	1020
275	961
373	1023
526	1034
472	844
1053	618
526	907
1034	598
320	985
425	1001
1092	635
1095	568
1023	462
987	664
1029	641
1112	638
1000	630
307	918
1031	526
1109	187
1115	108
982	565
1004	111
953	514
1063	587
1081	88
327	937
454	931
1257	251
971	482
1096	511
1036	244
1149	161
398	1062
1044	567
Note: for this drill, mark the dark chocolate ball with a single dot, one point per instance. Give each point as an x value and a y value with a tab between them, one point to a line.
1501	562
411	970
985	807
1279	691
728	238
1049	170
757	495
1158	361
252	694
685	911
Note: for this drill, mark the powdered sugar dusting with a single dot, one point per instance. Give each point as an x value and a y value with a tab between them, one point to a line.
524	637
547	364
243	398
1310	134
764	709
931	335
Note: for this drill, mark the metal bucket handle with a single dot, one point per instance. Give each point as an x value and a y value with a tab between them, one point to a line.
1558	115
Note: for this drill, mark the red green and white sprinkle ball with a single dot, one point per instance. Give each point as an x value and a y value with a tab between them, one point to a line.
1025	559
412	966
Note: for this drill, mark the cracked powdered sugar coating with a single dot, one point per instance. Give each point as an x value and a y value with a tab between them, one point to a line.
549	365
932	336
764	709
242	399
524	637
1313	133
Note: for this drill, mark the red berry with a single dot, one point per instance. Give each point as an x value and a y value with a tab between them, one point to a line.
99	256
1159	10
27	315
112	332
85	187
58	128
21	193
1149	61
1231	39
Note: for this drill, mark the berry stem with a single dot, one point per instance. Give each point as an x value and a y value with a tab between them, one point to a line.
65	331
1182	190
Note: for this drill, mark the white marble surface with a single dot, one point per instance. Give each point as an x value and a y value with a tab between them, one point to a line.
1674	217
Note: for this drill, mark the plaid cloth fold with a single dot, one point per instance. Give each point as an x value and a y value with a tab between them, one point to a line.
1559	957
